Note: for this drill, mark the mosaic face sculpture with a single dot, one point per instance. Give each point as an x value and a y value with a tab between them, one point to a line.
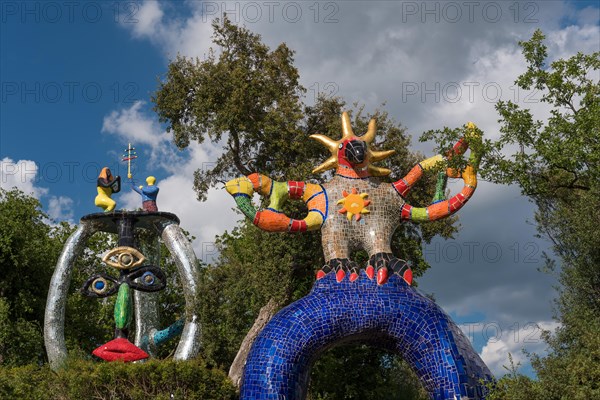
136	307
355	210
132	276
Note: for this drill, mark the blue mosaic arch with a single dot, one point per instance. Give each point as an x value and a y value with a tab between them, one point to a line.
394	315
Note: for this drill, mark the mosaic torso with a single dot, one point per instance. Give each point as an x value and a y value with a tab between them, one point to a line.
373	232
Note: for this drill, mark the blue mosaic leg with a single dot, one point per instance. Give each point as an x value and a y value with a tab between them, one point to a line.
279	362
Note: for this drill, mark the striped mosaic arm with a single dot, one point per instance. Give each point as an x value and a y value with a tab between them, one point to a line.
272	218
442	208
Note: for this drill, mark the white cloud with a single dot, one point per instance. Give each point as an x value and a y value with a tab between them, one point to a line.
190	36
22	175
147	18
132	125
60	208
203	220
513	339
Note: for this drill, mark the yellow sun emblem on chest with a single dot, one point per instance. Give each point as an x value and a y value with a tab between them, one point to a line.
354	204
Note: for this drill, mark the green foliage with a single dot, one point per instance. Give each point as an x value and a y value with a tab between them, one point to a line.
513	385
556	163
573	365
247	91
243	280
110	381
561	157
364	373
559	168
28	246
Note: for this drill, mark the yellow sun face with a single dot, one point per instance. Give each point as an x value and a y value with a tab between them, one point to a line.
354	204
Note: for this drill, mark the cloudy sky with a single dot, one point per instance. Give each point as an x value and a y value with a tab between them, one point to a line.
76	80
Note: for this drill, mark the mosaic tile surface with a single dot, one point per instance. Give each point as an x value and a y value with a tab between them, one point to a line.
394	315
373	232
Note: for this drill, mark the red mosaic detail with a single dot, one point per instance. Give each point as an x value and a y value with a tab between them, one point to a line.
460	147
455	203
382	276
370	271
296	189
406	211
408	276
298	225
401	187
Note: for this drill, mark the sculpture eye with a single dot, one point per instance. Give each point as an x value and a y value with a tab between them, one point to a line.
100	286
341	145
124	257
147	279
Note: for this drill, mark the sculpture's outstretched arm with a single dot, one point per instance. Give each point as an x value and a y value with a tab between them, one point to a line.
404	185
444	208
272	218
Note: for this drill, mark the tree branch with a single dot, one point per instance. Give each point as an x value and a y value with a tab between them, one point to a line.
236	154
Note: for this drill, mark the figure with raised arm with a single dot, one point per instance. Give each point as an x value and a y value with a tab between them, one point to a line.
148	192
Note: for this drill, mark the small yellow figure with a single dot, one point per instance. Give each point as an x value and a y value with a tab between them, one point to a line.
107	185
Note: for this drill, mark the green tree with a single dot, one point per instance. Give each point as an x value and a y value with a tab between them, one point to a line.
247	98
29	245
557	165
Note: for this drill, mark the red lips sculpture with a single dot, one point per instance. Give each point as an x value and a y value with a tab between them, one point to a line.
120	349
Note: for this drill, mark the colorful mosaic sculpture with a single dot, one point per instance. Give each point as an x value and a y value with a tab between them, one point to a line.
378	208
136	306
355	210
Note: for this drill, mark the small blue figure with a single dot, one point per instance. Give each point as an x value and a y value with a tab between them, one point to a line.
149	194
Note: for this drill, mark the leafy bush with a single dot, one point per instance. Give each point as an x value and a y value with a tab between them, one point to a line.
187	380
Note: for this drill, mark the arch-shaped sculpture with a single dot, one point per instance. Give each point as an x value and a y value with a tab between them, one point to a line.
166	225
395	316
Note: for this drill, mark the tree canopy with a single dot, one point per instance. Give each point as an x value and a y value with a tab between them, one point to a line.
556	163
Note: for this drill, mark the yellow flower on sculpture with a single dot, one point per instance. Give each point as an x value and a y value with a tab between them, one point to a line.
354	204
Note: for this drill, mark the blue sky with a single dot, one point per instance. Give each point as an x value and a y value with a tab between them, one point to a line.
76	80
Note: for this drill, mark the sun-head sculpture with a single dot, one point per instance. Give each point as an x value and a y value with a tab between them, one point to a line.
371	210
353	152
